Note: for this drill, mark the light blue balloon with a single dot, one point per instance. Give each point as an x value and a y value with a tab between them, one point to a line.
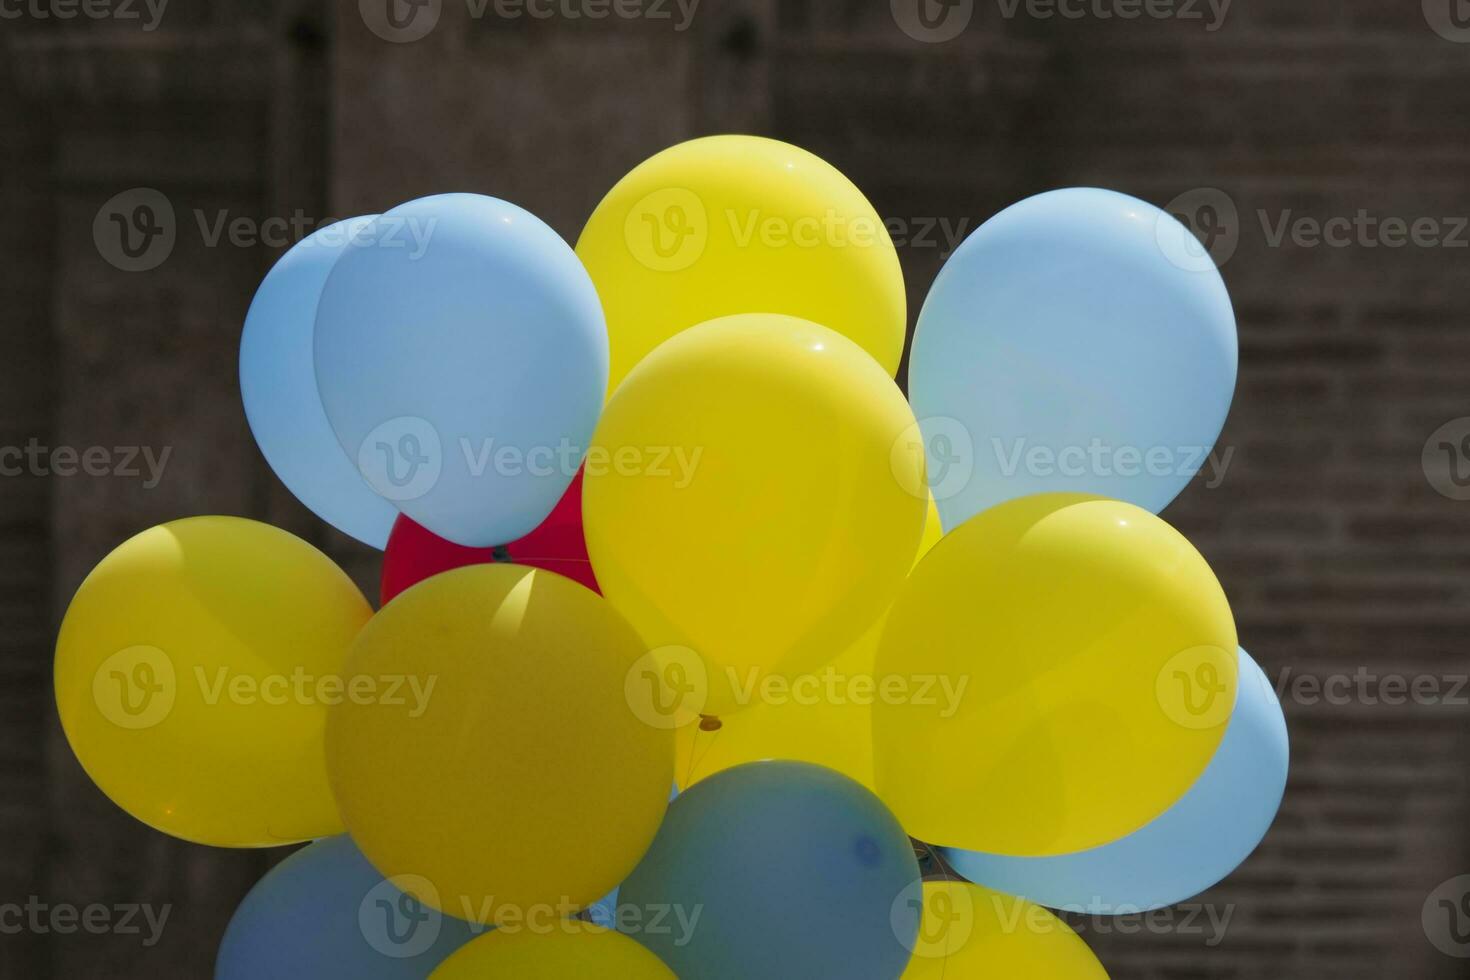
1080	341
1192	846
326	912
462	359
278	386
776	869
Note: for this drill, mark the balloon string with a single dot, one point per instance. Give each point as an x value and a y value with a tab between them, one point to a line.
696	755
946	875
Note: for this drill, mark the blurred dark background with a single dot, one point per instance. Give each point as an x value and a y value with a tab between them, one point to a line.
1340	530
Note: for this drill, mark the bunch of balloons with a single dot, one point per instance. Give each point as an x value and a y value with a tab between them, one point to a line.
655	514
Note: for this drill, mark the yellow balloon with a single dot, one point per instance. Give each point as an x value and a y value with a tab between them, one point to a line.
567	949
193	673
760	518
826	720
740	224
510	776
967	932
1095	654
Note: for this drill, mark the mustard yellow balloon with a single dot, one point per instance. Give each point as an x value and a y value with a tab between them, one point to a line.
967	932
823	717
1096	655
553	952
510	776
740	224
194	670
743	506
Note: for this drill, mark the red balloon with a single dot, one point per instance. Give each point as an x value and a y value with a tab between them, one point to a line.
414	553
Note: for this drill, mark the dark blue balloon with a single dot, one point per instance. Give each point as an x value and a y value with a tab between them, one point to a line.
771	870
326	912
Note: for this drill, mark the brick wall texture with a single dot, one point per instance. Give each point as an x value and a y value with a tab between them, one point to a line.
1339	554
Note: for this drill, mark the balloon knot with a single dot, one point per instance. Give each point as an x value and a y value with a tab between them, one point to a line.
710	723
